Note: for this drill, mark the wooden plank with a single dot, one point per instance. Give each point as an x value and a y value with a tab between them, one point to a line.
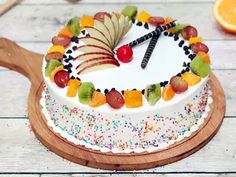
19	175
21	152
41	23
16	88
111	2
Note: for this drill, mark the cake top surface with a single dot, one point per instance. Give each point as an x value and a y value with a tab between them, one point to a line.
89	59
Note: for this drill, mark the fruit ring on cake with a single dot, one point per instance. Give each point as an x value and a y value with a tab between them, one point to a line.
126	81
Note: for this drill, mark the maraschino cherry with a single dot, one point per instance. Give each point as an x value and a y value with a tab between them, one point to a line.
125	54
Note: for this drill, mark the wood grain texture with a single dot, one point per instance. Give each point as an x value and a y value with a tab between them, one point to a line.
22	152
41	23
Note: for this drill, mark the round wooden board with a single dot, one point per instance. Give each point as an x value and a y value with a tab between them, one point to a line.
29	64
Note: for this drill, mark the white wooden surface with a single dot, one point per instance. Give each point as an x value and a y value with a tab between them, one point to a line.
32	23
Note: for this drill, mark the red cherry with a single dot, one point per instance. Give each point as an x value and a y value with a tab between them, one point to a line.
115	99
61	78
125	54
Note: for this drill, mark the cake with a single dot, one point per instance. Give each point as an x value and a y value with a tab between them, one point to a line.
126	82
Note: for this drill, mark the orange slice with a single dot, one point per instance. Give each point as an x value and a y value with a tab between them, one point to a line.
225	14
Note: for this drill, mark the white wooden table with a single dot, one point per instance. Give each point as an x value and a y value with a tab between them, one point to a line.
32	24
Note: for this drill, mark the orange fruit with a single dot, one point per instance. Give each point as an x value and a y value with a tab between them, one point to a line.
225	14
168	93
98	99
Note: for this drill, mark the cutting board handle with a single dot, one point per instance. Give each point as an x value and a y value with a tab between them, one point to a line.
14	57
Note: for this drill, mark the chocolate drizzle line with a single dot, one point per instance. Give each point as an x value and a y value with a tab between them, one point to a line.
157	31
149	51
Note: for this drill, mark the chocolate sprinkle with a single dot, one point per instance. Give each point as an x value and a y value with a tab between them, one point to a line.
184	64
192	56
187	52
143	91
179	74
170	34
181	43
187	69
106	91
165	33
69	51
185	47
75	39
98	90
176	37
139	24
74	48
83	32
122	92
146	26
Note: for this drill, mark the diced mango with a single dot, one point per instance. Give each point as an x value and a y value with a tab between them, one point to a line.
133	98
205	57
168	20
98	99
194	40
59	68
57	48
191	78
168	93
143	17
65	32
73	86
87	21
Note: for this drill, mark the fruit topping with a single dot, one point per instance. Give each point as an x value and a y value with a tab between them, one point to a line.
87	21
56	48
178	28
133	98
51	65
54	56
125	54
95	41
188	32
205	57
191	78
61	40
115	99
96	33
100	16
73	86
194	40
168	93
98	65
91	55
58	68
143	17
65	32
85	92
74	26
103	29
152	93
199	67
168	20
61	78
178	84
109	25
94	48
155	21
199	47
98	99
130	11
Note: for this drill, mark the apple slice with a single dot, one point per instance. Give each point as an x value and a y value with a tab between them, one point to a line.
93	32
121	28
93	48
108	23
95	41
101	27
115	22
99	66
126	26
90	55
93	60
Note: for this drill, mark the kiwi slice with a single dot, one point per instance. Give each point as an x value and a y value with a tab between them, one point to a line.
85	92
51	65
74	26
199	67
130	11
179	27
152	93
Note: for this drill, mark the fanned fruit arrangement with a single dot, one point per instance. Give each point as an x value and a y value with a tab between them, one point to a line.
105	31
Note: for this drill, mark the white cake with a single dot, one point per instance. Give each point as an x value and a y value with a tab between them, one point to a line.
145	128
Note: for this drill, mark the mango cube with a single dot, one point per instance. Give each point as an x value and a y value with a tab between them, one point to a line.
194	40
57	48
87	21
133	98
143	17
65	32
191	78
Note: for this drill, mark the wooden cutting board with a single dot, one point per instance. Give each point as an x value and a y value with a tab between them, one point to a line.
29	64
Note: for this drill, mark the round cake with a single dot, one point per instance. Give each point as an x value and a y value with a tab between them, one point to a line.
126	81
